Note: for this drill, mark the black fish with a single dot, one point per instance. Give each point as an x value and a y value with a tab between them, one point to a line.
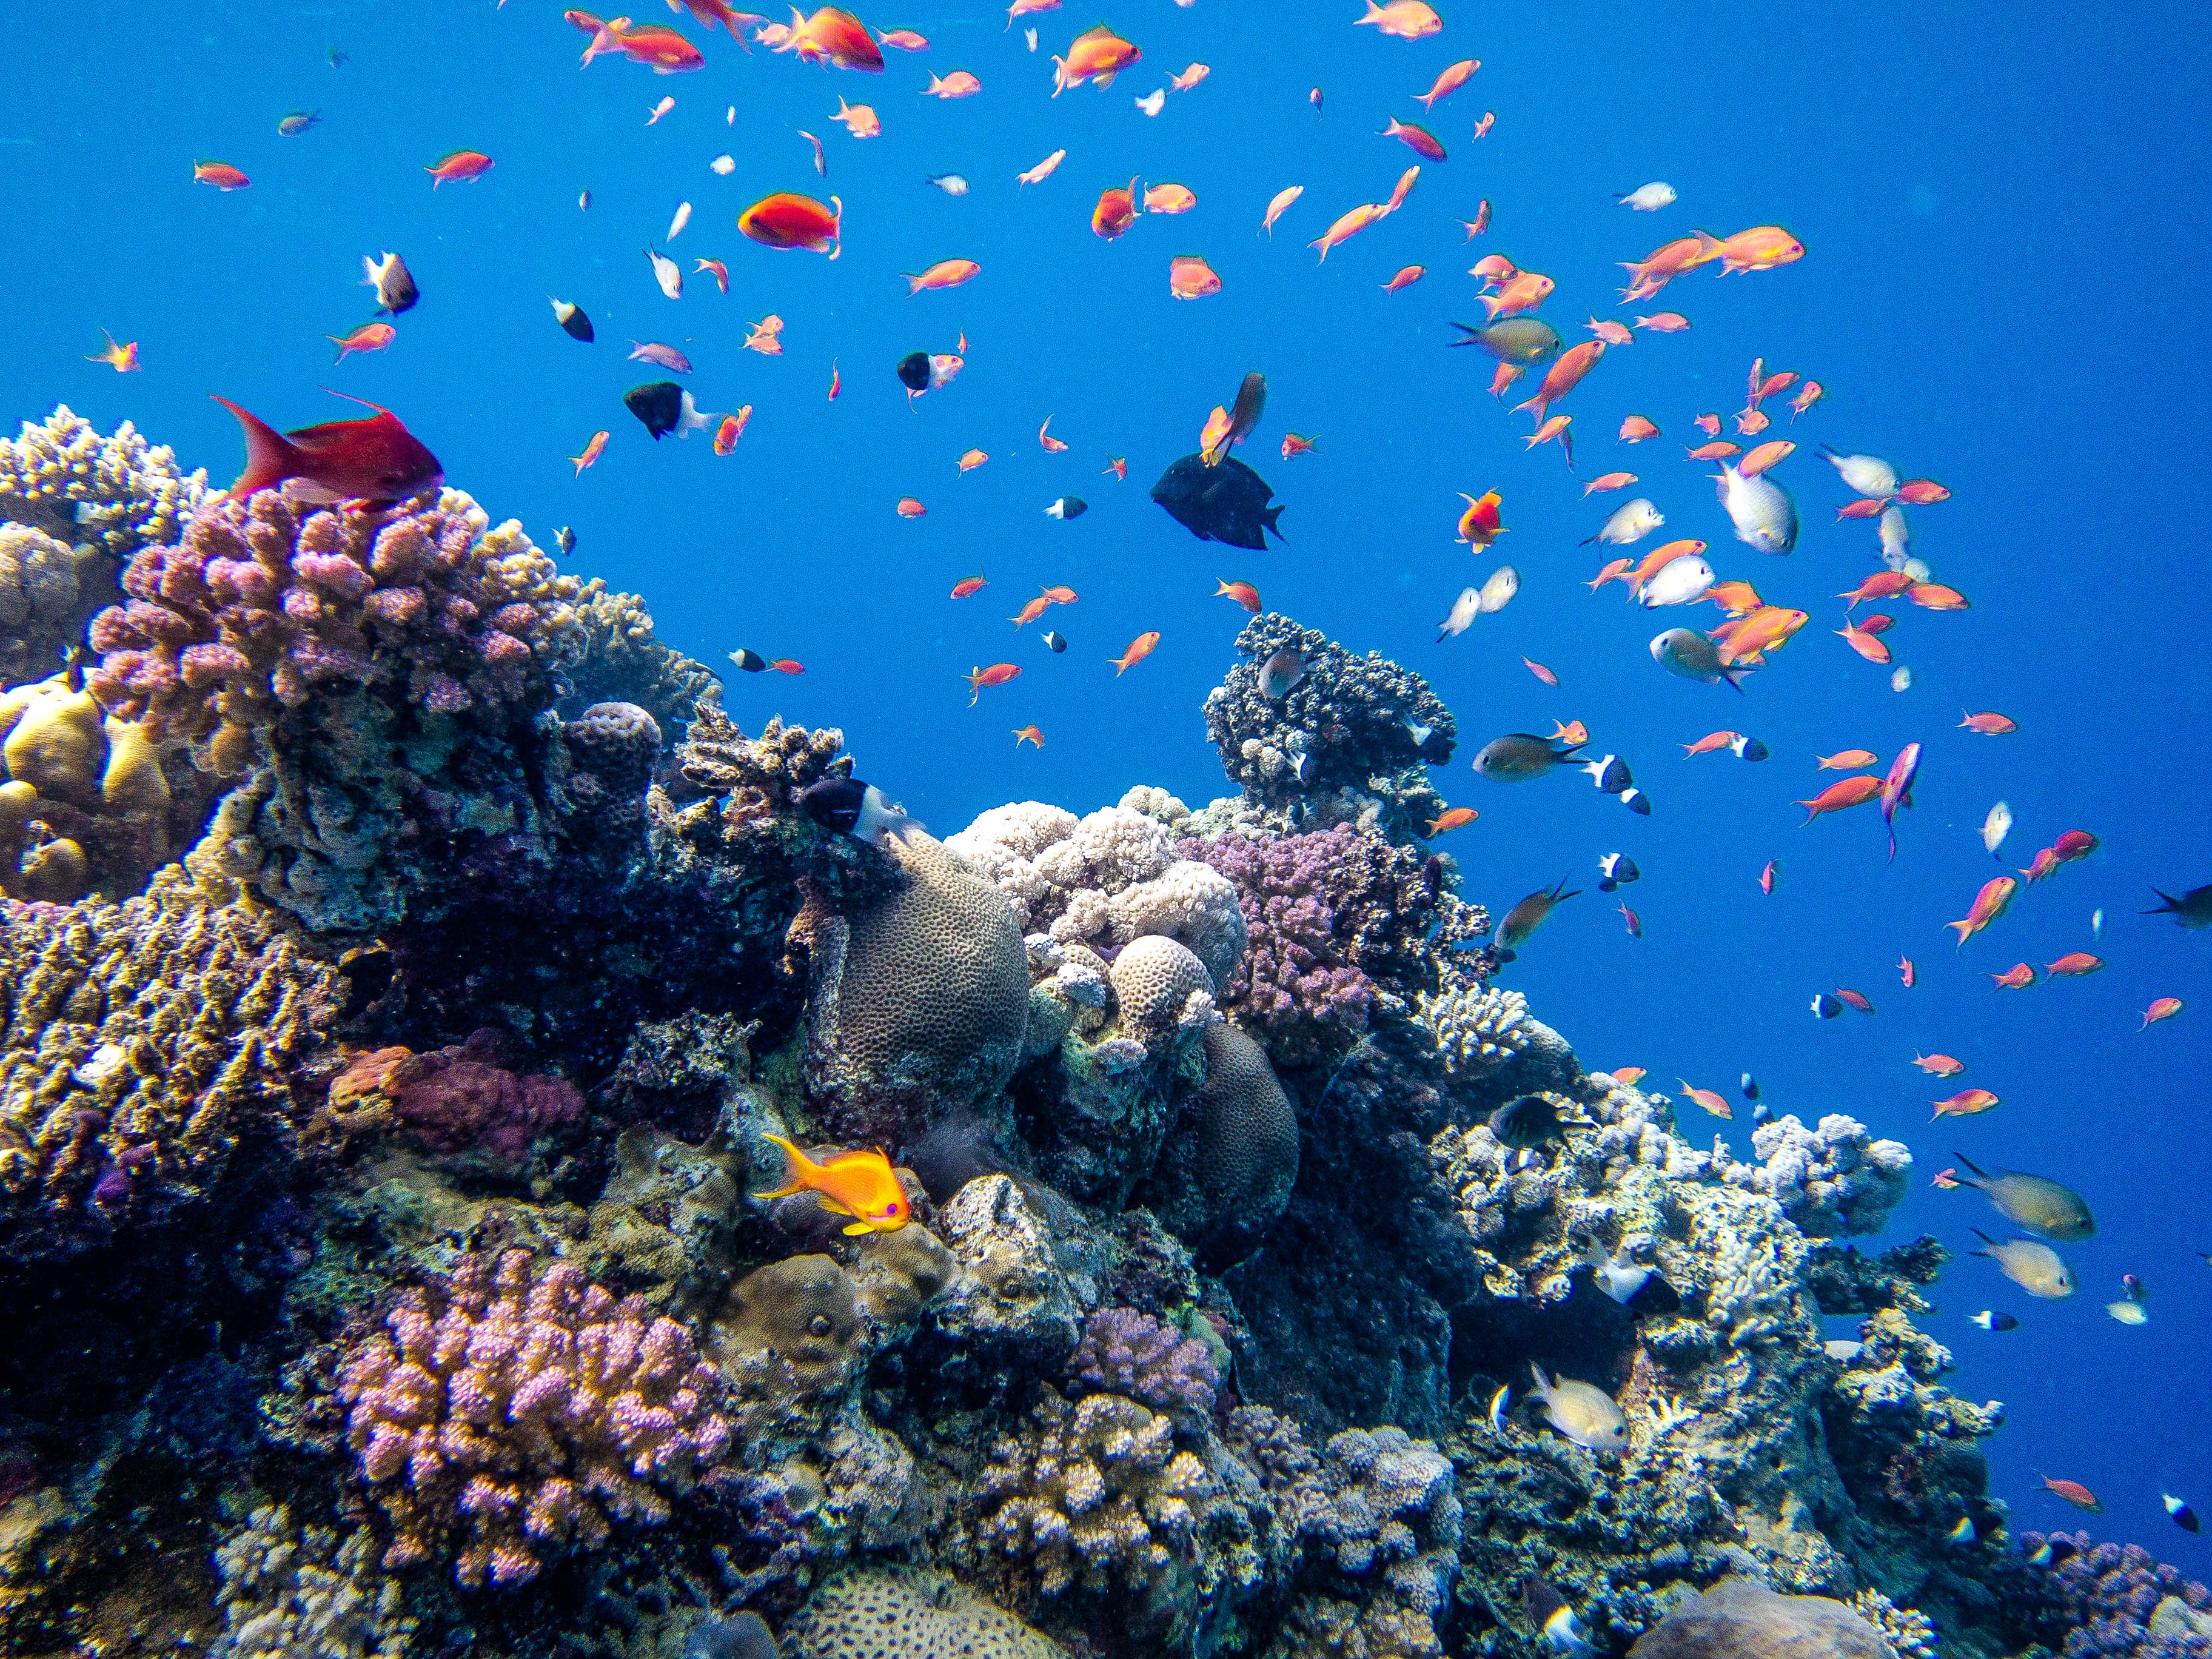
565	539
574	322
1826	1006
1055	643
1227	503
1750	1086
1067	506
751	661
834	802
659	403
914	371
1528	1122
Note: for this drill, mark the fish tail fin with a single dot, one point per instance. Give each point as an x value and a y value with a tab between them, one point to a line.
1491	304
1543	1383
1539	403
1964	927
333	339
1268	516
913	282
2167	904
1984	1237
798	1166
1971	1165
269	455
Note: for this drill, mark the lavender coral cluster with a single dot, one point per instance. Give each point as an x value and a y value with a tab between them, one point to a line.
1328	914
2119	1602
1127	1351
511	1409
263	602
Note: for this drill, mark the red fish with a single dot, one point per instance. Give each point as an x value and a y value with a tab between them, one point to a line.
1710	743
969	585
1992	902
2018	977
1116	211
1711	1100
1564	375
997	674
2074	844
1635	922
377	459
787	220
1991	724
1857	1000
1419	140
833	37
1922	492
2074	964
223	175
1938	1064
1965	1103
1243	592
2042	867
2163	1008
1140	648
1769	875
369	336
460	166
1448	81
2074	1493
787	666
1843	793
1540	671
1896	790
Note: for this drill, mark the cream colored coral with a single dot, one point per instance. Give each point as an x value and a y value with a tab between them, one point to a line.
123	493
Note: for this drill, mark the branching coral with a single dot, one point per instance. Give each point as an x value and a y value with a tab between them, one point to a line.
1361	723
1831	1180
511	1409
622	661
2119	1601
1104	880
1476	1028
118	493
143	1043
293	1592
1907	1630
1128	1352
760	776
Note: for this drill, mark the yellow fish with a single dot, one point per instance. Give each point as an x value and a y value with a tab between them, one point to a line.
858	1184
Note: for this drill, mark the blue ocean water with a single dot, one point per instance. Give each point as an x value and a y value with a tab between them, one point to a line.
2002	244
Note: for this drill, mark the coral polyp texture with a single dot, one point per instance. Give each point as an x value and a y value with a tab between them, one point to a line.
515	1407
118	493
144	1043
623	660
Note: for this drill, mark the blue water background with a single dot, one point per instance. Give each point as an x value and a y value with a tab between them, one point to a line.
2003	212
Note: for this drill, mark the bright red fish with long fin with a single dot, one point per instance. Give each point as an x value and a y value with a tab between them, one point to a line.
377	459
1898	788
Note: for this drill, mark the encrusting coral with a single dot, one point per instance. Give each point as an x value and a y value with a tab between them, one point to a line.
512	1408
143	1042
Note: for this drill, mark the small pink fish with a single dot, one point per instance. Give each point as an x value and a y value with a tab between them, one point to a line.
659	356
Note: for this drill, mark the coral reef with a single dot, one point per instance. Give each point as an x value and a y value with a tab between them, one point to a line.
624	661
453	1101
143	1043
1229	1165
48	587
1476	1028
1128	1352
1830	1180
1361	724
294	1592
118	493
2119	1602
900	1612
1740	1618
511	1409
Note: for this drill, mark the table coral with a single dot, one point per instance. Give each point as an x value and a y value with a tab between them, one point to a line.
143	1043
512	1408
118	493
1361	723
1104	880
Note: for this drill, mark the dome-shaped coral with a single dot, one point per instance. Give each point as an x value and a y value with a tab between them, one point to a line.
1227	1169
902	1613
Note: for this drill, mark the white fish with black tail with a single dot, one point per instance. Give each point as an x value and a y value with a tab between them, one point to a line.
1648	199
1498	591
1681	651
1996	827
1682	580
1631	521
1465	609
855	808
1761	510
667	273
1870	475
1584	1412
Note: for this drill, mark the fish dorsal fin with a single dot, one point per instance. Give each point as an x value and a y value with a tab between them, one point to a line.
1101	33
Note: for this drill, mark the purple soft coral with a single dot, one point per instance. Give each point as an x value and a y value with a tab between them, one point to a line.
1128	1352
2109	1594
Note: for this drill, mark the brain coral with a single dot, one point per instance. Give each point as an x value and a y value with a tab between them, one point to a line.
902	1613
917	1002
143	1043
116	492
1357	722
1154	979
511	1408
1227	1169
1104	880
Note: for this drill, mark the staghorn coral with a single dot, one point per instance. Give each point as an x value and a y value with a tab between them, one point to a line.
1094	1494
1333	917
1357	724
48	587
143	1042
1131	1353
1476	1028
917	1002
510	1408
117	493
1831	1180
623	662
1104	880
2119	1602
904	1613
1229	1165
297	1592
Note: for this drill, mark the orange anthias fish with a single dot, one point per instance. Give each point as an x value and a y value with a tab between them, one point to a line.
1543	674
1453	817
1448	81
1243	592
1738	598
1043	170
2018	977
997	674
1118	466
1863	641
969	586
1767	455
1281	202
1190	78
1571	733
1769	875
1564	374
1098	55
765	336
1842	793
1297	444
1938	1064
861	1185
1025	8
1990	904
458	167
1029	734
835	37
597	443
1627	1076
788	220
1348	226
1711	742
1406	277
2074	844
1711	1100
905	40
2074	1493
123	359
1965	1103
377	459
1935	596
1847	760
1419	140
1036	608
1140	648
1808	394
1169	199
1635	430
972	458
1115	212
1989	724
1409	20
1495	269
369	336
716	268
1609	481
1190	277
1527	291
860	120
2074	964
1664	322
1609	331
1046	442
945	273
2163	1008
1478	525
1760	248
909	507
835	383
223	176
1665	262
1907	972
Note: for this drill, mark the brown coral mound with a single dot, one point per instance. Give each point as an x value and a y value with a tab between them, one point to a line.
1227	1169
902	1613
1740	1618
760	775
140	1043
917	1002
511	1408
